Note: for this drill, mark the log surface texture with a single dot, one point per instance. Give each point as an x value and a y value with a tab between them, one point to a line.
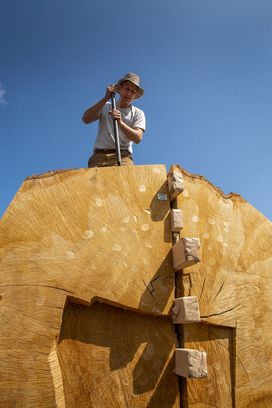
86	286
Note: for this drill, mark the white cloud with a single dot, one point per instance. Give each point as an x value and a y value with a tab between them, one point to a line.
2	96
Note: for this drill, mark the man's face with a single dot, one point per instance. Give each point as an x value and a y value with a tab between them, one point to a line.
128	91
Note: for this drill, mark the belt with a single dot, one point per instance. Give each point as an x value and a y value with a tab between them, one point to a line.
110	151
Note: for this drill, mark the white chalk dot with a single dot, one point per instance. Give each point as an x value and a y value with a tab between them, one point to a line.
156	170
145	227
117	247
89	234
195	218
125	381
41	300
142	188
148	245
98	202
149	349
226	226
70	254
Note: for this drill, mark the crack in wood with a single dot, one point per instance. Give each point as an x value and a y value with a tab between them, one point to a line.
220	313
220	289
39	286
202	289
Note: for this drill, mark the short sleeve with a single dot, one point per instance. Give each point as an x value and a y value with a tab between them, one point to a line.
138	119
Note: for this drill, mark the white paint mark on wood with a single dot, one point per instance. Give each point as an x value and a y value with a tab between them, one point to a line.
98	202
149	349
125	381
226	226
142	188
206	235
156	170
89	234
70	255
145	227
104	228
195	218
148	245
41	300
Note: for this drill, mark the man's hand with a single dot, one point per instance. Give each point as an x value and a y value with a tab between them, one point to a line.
93	113
109	90
116	114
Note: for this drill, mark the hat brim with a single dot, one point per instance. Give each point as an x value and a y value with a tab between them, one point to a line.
140	90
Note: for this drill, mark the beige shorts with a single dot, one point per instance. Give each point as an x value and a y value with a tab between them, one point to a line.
104	158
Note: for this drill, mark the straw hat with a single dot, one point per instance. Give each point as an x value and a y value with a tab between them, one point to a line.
134	79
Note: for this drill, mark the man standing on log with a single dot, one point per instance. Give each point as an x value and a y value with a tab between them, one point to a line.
131	122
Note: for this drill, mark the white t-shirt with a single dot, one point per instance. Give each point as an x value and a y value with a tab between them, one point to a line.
132	116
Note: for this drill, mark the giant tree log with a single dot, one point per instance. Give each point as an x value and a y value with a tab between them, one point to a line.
87	285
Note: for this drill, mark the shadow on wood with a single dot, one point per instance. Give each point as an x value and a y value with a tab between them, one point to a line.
102	346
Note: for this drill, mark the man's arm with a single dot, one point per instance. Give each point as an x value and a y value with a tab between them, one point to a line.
93	113
134	134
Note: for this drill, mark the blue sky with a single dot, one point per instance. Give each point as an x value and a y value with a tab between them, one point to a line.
206	66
